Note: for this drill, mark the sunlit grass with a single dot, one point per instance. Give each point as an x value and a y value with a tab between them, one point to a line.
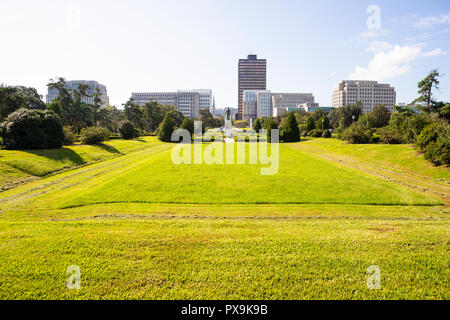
140	227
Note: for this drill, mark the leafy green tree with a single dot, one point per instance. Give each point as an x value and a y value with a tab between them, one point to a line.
318	114
208	119
426	87
97	98
445	112
109	117
133	113
73	110
310	124
323	123
188	124
166	129
153	115
270	125
14	98
379	117
257	126
176	116
291	131
335	118
350	114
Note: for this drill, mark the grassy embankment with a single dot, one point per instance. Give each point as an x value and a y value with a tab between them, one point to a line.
139	226
21	166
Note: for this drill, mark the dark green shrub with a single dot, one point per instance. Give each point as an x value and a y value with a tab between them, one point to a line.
439	152
357	133
188	124
310	124
291	132
32	129
166	129
258	125
389	135
127	130
326	134
323	123
430	134
94	135
316	133
69	136
270	125
303	130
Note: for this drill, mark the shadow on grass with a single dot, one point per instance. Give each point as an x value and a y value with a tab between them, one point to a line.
109	149
58	155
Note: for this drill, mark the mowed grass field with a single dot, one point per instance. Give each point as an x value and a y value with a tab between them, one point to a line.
140	227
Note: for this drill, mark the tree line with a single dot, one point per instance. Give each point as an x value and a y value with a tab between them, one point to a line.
426	127
22	114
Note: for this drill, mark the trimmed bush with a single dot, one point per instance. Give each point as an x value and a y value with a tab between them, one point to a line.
389	135
258	125
69	136
188	124
94	135
166	129
357	133
127	130
316	133
32	129
270	125
327	134
310	124
291	132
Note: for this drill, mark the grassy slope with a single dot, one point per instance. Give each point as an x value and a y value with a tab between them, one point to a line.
201	251
401	157
301	179
20	165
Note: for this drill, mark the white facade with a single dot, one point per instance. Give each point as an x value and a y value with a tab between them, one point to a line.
369	93
187	102
291	100
206	99
256	104
72	85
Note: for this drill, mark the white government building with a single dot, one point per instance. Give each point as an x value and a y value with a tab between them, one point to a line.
72	85
188	102
369	93
263	103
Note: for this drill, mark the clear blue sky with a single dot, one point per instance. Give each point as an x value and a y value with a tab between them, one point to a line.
167	45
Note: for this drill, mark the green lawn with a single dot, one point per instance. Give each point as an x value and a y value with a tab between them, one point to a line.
20	165
397	157
140	227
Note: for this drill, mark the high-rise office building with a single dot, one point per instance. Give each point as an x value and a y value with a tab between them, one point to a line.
74	84
369	93
256	104
252	76
187	102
